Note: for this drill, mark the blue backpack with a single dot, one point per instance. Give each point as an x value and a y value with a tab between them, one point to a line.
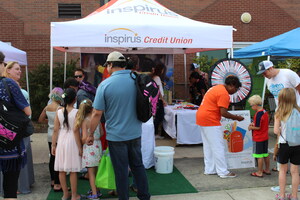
293	128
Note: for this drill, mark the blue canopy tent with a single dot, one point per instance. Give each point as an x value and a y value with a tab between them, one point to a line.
286	44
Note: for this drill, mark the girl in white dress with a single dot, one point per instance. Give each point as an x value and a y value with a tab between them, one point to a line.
91	153
66	145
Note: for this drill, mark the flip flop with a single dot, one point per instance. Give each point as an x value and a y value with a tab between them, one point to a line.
255	175
266	173
61	190
83	177
274	169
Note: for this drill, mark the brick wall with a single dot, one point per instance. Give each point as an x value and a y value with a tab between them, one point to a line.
26	23
268	19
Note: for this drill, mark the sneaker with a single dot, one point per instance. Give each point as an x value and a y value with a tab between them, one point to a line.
229	175
89	192
210	173
298	187
92	197
275	188
159	137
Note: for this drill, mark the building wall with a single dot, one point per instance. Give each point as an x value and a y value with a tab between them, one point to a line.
26	23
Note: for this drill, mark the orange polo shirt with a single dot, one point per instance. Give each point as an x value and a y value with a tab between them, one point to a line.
209	113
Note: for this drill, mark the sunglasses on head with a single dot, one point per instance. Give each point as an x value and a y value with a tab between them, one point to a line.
78	76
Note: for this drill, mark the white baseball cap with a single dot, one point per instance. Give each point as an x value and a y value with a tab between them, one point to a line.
115	56
264	65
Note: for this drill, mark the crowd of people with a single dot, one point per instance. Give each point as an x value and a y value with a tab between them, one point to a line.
78	132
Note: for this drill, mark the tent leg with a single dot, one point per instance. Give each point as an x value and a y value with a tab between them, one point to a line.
51	68
27	83
65	67
264	87
185	76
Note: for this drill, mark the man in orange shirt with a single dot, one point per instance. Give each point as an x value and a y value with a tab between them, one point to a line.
214	105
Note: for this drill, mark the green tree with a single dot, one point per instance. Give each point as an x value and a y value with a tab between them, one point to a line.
39	84
290	63
204	62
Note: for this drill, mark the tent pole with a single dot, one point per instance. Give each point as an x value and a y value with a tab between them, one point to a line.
65	67
185	78
27	83
51	67
264	88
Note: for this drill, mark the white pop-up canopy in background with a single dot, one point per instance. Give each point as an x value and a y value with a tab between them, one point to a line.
137	27
13	54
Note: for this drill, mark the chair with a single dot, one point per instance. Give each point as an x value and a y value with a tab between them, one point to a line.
272	106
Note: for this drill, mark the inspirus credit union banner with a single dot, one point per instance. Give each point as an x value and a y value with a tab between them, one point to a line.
238	141
137	24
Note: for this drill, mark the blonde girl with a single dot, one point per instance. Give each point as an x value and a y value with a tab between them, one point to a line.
66	145
91	154
286	103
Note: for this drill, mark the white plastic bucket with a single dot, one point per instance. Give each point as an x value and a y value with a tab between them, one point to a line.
164	159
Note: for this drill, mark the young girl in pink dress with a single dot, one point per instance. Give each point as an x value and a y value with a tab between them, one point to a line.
66	145
91	154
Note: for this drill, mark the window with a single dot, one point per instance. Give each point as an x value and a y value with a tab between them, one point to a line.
102	2
69	10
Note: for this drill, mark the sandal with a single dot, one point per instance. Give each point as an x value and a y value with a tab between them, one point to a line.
256	175
61	190
134	189
69	196
266	173
287	197
274	169
79	197
83	177
113	193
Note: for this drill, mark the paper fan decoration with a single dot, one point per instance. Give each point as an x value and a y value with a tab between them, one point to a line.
225	67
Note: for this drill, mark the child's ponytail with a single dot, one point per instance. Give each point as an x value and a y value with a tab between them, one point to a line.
85	108
69	97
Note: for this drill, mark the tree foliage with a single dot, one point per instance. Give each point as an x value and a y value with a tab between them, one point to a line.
291	63
204	62
39	84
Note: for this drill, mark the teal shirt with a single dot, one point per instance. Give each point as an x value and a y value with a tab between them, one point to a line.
116	96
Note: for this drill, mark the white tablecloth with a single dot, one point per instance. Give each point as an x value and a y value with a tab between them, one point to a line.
185	128
148	143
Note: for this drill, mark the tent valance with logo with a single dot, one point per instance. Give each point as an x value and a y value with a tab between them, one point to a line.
138	27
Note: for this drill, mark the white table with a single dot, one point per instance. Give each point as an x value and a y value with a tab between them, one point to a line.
181	124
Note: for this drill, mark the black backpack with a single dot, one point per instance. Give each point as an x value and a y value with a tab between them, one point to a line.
147	96
13	123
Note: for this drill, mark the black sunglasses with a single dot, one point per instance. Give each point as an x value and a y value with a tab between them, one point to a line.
78	76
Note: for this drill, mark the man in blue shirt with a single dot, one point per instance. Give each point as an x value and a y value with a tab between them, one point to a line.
116	97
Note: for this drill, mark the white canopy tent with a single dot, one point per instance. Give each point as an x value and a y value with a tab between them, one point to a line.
137	27
13	54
